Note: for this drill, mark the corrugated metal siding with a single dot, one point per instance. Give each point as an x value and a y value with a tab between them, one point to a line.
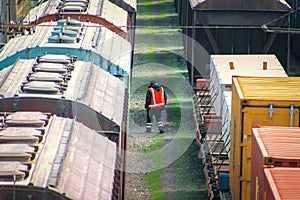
282	183
264	88
272	147
252	97
88	168
226	117
102	8
221	72
70	158
106	95
114	48
279	142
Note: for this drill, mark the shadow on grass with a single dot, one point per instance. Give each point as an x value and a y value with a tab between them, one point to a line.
186	172
190	178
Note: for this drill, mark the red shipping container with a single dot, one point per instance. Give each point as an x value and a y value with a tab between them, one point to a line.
281	183
272	147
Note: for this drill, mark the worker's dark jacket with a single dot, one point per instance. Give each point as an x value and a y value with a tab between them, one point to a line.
149	99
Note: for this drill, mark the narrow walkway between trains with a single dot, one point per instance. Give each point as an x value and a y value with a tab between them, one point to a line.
162	166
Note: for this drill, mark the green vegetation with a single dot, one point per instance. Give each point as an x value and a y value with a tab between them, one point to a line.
153	183
155	46
155	146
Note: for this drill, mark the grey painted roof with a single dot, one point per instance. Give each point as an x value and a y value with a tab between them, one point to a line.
70	158
87	83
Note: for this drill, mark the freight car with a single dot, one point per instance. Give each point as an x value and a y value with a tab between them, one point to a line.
219	95
73	71
44	156
223	68
235	27
274	148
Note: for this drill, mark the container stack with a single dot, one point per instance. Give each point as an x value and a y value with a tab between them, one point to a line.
281	183
215	95
257	101
275	154
224	67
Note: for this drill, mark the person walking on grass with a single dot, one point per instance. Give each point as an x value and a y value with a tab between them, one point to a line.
156	100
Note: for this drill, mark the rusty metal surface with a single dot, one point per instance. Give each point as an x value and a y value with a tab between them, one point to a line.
98	155
26	119
103	8
10	169
30	136
282	183
69	158
83	82
279	142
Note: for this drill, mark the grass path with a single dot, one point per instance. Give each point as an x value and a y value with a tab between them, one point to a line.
176	171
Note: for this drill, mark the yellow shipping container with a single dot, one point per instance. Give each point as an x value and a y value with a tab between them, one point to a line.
257	101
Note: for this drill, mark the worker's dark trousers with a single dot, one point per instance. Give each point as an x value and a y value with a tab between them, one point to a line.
157	112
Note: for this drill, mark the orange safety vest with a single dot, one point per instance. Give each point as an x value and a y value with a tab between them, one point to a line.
157	98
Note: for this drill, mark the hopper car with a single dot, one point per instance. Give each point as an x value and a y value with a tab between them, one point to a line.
64	79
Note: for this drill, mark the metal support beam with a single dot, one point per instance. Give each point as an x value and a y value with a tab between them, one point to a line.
193	47
288	47
272	38
208	32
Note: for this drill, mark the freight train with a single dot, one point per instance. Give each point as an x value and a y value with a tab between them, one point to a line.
232	116
240	92
64	85
216	120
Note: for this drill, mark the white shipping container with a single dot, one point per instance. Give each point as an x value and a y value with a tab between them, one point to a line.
226	116
223	67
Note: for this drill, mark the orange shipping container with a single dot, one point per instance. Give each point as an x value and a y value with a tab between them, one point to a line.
272	147
257	101
282	183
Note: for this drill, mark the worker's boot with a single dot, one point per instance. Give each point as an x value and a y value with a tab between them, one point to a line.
161	130
148	130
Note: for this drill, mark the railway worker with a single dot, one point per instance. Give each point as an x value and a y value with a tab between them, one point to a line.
156	100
